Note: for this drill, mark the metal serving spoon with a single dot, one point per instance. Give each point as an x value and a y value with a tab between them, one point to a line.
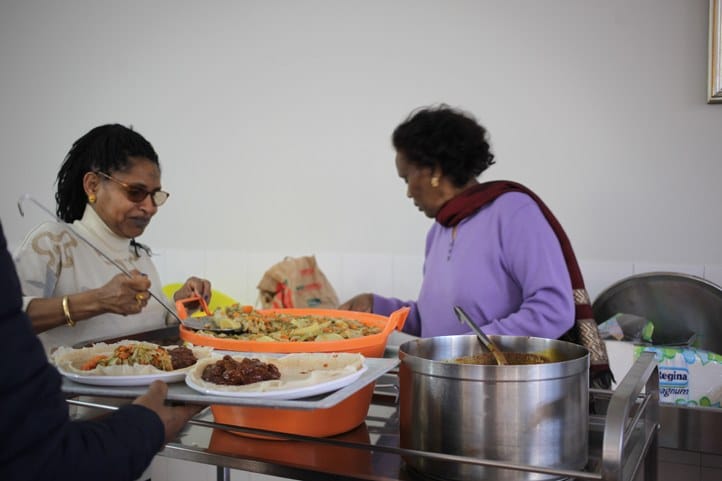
483	339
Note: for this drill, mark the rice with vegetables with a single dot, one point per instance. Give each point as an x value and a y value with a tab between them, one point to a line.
253	325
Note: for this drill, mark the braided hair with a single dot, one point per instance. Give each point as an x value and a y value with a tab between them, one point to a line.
106	148
452	139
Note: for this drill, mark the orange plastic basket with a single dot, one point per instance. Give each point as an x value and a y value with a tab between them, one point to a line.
369	346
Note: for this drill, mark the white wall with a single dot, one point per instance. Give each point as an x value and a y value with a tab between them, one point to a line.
272	120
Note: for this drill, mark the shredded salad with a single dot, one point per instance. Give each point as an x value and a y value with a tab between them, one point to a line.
253	325
133	354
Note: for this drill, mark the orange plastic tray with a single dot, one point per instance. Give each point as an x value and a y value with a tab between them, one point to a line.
369	346
337	419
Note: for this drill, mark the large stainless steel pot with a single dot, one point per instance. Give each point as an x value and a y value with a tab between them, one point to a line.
528	414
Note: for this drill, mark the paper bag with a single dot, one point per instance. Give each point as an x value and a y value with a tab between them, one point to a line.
296	282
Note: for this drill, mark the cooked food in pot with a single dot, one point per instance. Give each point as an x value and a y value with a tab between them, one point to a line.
513	358
253	325
230	372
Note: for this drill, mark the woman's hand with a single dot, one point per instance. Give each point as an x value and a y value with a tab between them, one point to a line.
360	303
125	295
194	286
121	295
173	418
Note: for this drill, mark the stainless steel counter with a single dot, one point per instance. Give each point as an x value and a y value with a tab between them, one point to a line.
622	441
691	429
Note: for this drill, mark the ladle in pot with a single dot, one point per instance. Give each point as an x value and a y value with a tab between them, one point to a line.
483	339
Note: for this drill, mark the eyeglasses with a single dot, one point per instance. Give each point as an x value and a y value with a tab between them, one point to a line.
138	194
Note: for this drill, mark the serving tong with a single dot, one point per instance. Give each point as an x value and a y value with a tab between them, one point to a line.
199	323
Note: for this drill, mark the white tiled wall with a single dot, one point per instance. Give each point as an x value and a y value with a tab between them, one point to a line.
691	269
598	275
713	273
237	273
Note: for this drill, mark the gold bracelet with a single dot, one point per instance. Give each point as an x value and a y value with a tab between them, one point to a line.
69	320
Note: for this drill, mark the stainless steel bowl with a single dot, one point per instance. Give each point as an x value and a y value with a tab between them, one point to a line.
677	304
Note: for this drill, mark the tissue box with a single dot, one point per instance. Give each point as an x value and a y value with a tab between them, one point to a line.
687	376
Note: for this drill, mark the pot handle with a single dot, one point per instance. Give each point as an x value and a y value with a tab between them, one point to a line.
397	319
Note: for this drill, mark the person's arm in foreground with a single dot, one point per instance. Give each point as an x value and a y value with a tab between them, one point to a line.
42	442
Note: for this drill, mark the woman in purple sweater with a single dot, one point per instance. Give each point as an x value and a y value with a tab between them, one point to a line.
502	262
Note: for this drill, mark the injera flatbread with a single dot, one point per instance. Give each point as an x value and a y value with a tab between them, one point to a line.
69	359
297	371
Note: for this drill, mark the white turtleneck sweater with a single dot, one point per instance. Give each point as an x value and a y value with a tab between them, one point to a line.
53	262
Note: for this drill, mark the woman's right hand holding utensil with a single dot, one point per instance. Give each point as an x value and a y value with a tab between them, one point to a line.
125	295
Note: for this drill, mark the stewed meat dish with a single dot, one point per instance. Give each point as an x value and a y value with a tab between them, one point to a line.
228	371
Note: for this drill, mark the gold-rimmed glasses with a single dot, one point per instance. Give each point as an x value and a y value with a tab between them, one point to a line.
138	194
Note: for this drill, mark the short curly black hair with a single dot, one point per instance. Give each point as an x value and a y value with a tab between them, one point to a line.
445	137
106	148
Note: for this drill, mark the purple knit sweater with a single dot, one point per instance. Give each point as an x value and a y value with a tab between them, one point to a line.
505	268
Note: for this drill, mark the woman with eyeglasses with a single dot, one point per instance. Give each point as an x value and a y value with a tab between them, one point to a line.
495	248
109	188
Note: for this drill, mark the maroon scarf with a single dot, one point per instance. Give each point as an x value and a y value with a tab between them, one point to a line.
585	331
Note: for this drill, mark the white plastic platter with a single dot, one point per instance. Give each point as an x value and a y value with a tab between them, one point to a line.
138	380
180	392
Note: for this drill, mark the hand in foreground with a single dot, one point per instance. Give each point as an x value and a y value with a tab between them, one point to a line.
359	303
173	417
194	286
125	295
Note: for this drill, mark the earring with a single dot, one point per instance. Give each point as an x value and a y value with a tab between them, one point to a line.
91	198
434	181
